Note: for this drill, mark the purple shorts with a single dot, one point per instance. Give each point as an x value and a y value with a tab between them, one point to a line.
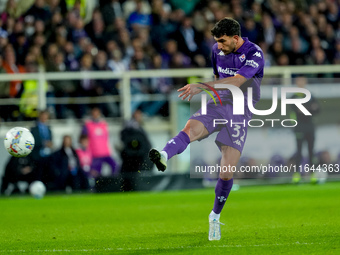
232	129
97	163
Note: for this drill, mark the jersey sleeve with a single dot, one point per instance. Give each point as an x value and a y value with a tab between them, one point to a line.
254	63
213	61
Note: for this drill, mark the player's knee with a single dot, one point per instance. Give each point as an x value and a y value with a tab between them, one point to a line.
226	176
194	131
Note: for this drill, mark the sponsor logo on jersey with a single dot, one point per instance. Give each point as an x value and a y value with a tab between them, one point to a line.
242	57
252	63
226	70
257	54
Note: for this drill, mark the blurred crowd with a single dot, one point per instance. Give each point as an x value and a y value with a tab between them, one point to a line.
86	35
82	164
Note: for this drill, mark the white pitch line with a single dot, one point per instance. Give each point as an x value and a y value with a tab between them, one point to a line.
144	248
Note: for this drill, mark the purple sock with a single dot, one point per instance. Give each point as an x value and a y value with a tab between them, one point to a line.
222	191
177	144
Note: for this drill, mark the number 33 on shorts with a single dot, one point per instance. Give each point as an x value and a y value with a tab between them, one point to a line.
237	135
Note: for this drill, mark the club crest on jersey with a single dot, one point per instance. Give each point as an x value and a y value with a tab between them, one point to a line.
242	57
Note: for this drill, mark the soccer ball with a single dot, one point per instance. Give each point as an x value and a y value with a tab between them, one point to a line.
37	189
19	142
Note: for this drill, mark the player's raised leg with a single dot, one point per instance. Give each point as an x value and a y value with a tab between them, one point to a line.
192	131
230	157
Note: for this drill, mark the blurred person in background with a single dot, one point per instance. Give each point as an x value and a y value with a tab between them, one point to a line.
3	40
170	49
186	6
111	11
105	87
96	30
11	67
135	148
71	60
84	154
15	87
67	169
42	148
39	11
4	93
305	129
62	88
96	129
21	48
28	105
161	25
130	6
17	170
87	86
188	38
15	9
139	19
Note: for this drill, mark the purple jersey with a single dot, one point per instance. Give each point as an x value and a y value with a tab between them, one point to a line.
248	61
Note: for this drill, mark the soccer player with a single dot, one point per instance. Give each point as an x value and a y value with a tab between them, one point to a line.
236	61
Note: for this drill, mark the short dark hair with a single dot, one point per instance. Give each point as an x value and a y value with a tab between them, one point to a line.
226	26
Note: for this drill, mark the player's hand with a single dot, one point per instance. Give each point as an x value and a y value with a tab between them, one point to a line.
189	90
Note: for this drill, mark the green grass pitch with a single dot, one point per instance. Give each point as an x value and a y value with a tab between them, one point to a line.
282	219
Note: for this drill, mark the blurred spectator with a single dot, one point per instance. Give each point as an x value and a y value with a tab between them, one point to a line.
39	11
97	131
134	153
105	87
11	67
57	6
84	154
305	129
179	61
21	48
78	31
66	168
111	11
83	8
28	105
42	148
3	39
17	169
116	63
132	32
139	19
162	27
187	38
62	88
186	6
129	6
161	85
15	8
96	30
170	50
251	30
87	85
4	93
336	60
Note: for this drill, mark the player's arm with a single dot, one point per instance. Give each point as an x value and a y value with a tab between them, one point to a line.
190	90
236	80
252	66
